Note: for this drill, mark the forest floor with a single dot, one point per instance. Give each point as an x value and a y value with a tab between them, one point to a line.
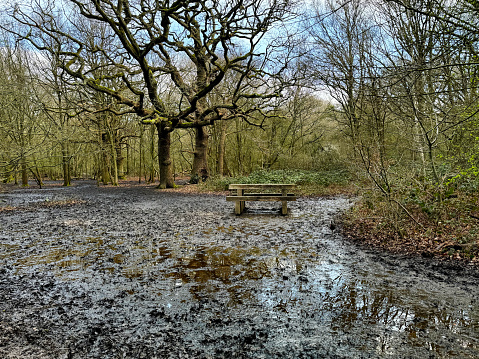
450	233
109	272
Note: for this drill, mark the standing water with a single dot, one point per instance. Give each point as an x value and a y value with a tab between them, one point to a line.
89	272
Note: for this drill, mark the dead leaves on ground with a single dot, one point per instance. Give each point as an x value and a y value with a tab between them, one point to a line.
451	232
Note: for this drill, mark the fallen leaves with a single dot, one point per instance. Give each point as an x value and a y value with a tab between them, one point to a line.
451	232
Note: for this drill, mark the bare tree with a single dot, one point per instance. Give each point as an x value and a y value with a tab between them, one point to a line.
340	40
20	117
152	42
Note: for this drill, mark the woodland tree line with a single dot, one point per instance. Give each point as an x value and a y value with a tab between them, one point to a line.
109	89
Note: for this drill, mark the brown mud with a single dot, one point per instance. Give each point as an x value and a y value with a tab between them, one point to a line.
134	272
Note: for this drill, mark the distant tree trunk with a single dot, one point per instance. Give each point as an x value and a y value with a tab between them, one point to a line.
128	159
23	164
164	160
36	174
221	149
151	165
239	149
120	162
200	161
113	162
105	173
141	154
66	164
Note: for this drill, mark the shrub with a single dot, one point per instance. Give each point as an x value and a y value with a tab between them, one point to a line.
299	177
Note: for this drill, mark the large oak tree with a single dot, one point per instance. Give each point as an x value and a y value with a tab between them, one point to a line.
191	47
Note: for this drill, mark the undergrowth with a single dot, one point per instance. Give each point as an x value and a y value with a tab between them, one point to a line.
435	222
308	182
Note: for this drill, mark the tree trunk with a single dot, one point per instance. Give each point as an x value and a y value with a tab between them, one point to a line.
23	164
104	166
164	144
151	166
36	174
66	165
141	154
221	150
120	161
200	161
128	160
113	162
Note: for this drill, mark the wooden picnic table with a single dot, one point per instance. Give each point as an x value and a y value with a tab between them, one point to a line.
240	194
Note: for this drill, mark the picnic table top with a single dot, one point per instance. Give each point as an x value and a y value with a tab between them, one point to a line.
261	185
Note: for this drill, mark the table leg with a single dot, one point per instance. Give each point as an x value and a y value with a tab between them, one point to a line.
284	206
239	205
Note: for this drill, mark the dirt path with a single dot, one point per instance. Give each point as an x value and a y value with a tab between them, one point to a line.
90	272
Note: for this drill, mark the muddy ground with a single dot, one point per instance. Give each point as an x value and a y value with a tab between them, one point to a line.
134	272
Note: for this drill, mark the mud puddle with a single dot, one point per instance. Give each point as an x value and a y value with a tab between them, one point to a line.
138	273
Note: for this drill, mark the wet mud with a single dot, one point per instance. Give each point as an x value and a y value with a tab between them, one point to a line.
133	272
